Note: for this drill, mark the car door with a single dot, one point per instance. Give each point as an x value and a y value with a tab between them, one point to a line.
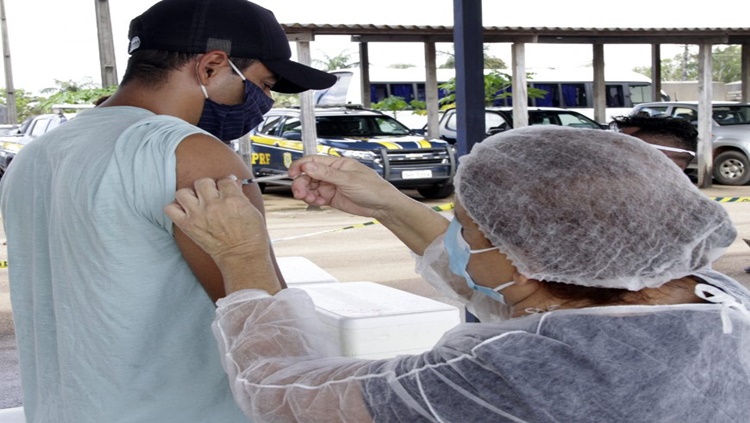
269	147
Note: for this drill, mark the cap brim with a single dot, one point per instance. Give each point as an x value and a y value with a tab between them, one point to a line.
295	77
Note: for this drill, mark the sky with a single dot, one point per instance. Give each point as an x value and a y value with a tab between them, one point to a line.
53	40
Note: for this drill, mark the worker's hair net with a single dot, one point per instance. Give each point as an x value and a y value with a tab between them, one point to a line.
590	207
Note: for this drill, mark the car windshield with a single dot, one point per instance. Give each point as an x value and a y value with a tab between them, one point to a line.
732	115
359	126
560	117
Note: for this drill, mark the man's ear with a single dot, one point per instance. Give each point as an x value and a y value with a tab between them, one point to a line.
630	130
209	63
520	279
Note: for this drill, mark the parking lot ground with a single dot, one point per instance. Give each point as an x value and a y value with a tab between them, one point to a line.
351	248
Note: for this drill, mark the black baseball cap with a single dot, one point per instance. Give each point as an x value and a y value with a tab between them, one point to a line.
238	27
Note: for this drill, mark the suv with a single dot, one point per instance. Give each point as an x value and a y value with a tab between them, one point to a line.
31	128
498	119
377	140
730	129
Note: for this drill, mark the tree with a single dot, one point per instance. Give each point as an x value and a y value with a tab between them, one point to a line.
727	65
490	62
26	104
66	92
401	66
391	104
71	92
496	86
342	60
285	100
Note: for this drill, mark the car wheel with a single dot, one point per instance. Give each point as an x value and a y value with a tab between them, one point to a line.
731	168
436	192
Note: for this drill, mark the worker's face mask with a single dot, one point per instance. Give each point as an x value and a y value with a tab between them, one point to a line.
229	122
459	253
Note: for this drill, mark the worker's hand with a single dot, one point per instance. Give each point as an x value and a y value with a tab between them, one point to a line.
341	183
220	219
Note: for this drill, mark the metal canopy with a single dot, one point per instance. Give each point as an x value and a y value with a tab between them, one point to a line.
464	37
551	35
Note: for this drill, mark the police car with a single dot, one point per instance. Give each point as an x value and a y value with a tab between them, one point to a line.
399	155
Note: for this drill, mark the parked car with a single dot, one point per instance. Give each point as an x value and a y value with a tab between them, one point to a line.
30	129
9	129
398	154
730	129
498	119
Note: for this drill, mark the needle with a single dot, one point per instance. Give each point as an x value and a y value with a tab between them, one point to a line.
266	178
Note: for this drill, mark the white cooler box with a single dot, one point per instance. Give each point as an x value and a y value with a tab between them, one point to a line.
12	415
300	270
376	321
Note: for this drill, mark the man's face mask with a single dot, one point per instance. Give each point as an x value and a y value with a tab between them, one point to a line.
459	253
229	122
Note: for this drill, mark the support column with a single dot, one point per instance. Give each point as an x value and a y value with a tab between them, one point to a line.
431	91
745	96
520	89
12	111
467	38
705	97
106	44
600	86
364	72
655	72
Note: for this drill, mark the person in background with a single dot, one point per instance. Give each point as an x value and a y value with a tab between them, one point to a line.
112	306
675	137
603	322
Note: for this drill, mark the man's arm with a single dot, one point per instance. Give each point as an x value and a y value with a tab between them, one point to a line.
201	156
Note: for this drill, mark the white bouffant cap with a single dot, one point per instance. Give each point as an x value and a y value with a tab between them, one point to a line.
590	207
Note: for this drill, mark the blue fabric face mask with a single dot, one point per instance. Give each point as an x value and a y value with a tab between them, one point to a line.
459	253
229	122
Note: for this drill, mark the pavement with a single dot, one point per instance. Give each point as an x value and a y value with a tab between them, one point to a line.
352	248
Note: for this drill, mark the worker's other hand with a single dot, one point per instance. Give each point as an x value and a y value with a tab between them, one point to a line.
218	217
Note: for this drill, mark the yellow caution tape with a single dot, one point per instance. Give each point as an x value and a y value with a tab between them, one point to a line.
731	199
442	207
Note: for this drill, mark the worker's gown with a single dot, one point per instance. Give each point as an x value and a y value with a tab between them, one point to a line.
677	363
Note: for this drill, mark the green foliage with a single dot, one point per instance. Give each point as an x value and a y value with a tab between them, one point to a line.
342	60
26	104
727	65
66	92
496	84
419	107
391	104
401	66
80	96
285	100
490	62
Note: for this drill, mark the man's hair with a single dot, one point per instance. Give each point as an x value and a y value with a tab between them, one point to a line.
152	67
680	131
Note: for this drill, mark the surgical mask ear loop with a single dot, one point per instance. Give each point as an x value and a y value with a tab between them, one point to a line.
503	286
236	70
200	84
203	87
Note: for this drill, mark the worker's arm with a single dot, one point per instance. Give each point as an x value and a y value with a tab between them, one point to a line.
352	187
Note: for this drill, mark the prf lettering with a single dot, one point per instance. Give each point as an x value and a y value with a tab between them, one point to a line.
262	158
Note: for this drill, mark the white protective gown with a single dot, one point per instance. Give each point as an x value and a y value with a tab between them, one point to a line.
684	363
